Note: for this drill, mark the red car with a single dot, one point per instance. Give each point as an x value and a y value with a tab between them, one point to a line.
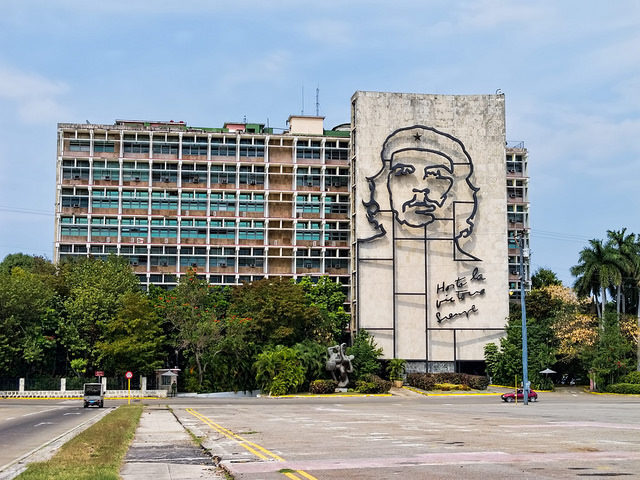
510	397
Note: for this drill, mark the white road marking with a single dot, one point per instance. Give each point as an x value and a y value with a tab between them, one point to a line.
43	423
39	411
72	413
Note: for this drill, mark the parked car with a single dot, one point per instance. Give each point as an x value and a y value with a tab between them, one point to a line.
510	397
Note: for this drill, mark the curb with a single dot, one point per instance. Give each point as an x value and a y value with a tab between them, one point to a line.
329	395
611	393
78	398
465	394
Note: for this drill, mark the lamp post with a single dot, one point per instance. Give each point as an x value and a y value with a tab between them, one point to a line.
525	362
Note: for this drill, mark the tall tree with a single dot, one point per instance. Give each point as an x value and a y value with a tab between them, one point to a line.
598	268
96	288
329	297
623	245
133	340
28	321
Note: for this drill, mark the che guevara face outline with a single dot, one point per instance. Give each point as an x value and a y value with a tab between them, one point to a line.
419	182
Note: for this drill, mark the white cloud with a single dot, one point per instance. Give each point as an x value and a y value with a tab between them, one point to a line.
34	96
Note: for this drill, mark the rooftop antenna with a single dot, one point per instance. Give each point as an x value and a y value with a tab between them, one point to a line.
302	113
318	101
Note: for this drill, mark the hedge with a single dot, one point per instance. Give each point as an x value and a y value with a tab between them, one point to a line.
623	388
428	381
633	377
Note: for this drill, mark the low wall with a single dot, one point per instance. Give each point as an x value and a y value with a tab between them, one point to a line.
79	394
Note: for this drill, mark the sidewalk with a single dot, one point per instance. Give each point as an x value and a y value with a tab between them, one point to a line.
163	450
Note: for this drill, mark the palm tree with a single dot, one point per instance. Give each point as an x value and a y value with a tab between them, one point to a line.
634	279
597	270
623	246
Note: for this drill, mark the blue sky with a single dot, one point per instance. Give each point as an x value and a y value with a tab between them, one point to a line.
570	71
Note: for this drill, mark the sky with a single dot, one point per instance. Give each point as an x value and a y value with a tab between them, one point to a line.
570	72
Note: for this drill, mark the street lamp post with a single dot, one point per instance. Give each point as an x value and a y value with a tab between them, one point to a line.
525	362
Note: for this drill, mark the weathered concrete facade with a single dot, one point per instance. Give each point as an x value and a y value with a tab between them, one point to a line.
429	229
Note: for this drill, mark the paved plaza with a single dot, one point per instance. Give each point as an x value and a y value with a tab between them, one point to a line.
567	434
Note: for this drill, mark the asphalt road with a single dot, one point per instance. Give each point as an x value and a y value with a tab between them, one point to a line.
28	424
565	435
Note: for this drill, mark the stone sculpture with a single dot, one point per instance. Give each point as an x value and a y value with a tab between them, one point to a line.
339	364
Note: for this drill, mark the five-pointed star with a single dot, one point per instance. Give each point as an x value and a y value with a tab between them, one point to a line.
417	137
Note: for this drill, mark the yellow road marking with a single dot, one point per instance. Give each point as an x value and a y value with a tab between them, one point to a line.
306	475
248	445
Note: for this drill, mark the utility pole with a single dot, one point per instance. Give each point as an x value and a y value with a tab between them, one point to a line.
525	360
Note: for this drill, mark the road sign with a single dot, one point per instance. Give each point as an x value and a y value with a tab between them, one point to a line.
99	373
128	375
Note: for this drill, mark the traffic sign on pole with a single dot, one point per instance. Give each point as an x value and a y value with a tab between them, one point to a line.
129	376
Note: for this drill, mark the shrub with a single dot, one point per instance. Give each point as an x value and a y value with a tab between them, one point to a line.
633	377
478	382
623	388
446	387
323	386
312	356
396	368
372	384
279	371
366	354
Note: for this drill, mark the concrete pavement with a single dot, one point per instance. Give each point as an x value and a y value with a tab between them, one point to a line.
163	450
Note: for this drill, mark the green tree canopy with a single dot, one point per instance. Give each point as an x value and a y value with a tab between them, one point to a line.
28	322
133	340
96	288
544	277
329	297
279	309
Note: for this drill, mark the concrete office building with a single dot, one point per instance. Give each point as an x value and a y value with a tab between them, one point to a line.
236	204
244	202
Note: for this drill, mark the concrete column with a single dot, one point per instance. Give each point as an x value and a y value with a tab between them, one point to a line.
21	385
63	384
104	383
143	384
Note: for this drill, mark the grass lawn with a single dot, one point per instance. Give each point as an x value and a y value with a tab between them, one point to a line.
94	454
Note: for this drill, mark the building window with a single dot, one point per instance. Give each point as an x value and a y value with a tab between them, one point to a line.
308	204
251	175
247	149
102	146
308	177
223	147
251	202
79	145
223	174
223	202
309	149
135	172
